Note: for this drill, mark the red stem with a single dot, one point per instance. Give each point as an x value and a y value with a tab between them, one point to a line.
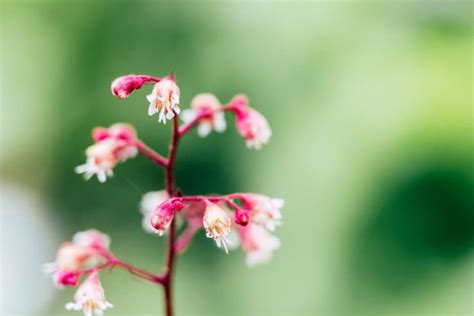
150	153
170	188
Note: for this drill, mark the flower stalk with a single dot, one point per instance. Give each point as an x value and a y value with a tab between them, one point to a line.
245	218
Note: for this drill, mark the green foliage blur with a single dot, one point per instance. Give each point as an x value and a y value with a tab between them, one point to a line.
370	104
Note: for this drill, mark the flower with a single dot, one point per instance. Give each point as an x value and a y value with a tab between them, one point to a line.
86	249
92	238
164	99
258	244
163	215
148	204
90	297
208	107
217	225
113	145
250	124
264	210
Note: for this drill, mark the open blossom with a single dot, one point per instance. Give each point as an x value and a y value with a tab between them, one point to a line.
148	204
113	145
264	210
209	107
90	297
218	225
250	124
164	99
258	244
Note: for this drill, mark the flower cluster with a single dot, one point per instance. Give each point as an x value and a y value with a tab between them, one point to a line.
244	219
112	145
224	221
85	254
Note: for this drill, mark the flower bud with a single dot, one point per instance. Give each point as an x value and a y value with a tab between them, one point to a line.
162	217
66	278
242	217
123	86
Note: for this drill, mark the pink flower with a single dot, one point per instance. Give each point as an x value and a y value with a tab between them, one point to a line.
123	86
90	297
92	238
250	124
264	211
148	204
164	99
113	145
209	107
163	215
258	244
218	225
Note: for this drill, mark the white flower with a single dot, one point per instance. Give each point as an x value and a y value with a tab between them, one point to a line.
264	210
148	204
101	160
90	297
258	244
208	105
251	125
164	99
217	225
92	238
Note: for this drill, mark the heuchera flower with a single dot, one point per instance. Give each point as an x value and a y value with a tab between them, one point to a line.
250	124
82	252
164	99
148	204
258	244
113	145
264	210
163	215
208	107
90	297
217	224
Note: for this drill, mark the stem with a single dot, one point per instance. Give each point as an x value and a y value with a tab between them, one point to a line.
170	188
150	153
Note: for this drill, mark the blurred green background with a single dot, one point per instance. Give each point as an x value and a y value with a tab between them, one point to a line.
371	109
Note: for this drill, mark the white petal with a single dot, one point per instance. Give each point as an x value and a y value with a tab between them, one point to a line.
219	122
204	129
152	109
151	98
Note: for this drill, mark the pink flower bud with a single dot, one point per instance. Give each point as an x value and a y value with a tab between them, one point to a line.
162	217
242	217
100	133
66	278
123	86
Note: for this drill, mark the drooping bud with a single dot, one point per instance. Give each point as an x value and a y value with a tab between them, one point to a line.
242	217
123	86
66	278
162	217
